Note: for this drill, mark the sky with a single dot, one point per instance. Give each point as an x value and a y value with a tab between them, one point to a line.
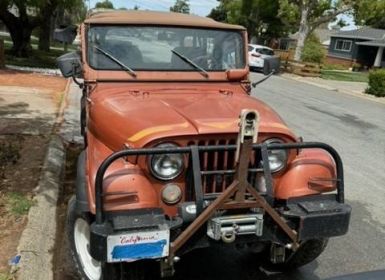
198	7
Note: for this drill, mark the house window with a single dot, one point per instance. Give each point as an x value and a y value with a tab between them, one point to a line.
343	45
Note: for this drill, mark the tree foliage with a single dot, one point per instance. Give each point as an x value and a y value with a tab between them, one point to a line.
260	17
104	5
370	12
181	6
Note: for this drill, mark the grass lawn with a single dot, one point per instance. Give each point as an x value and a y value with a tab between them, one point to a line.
39	59
345	76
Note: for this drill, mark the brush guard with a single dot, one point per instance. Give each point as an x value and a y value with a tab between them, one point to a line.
239	195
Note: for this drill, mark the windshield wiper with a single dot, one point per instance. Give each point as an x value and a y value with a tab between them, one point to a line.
117	61
192	63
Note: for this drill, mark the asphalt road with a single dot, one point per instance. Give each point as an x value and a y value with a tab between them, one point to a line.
356	128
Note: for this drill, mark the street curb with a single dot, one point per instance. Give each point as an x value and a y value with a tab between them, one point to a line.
36	245
352	93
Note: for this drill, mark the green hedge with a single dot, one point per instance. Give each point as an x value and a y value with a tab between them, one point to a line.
377	83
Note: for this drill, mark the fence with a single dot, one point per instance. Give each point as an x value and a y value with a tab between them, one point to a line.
304	69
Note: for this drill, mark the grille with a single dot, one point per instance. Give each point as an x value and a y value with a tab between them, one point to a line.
218	167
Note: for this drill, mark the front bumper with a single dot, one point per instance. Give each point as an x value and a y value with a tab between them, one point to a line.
318	217
289	222
312	218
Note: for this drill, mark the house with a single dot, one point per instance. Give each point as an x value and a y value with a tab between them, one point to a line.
364	46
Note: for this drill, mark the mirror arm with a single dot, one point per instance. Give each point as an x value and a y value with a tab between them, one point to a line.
81	85
264	79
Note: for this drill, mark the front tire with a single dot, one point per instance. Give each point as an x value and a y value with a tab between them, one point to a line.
78	230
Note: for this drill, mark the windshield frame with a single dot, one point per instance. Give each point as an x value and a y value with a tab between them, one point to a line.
243	49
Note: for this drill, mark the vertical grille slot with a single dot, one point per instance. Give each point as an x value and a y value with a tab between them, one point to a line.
212	161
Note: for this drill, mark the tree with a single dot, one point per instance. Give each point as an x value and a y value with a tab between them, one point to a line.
50	9
28	15
20	27
307	15
260	17
104	5
181	6
370	12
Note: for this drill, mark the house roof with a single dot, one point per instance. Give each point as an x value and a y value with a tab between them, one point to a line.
365	33
374	43
156	18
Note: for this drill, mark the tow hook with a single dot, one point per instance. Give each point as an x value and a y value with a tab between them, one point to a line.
277	253
229	236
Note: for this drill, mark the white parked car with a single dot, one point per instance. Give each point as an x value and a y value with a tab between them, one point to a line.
257	54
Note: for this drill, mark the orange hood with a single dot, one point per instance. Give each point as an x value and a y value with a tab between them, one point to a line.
119	117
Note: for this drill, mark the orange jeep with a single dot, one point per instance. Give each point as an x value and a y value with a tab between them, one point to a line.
179	156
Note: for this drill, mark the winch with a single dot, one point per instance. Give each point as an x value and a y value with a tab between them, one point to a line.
228	227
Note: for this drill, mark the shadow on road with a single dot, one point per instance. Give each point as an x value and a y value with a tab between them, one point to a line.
230	264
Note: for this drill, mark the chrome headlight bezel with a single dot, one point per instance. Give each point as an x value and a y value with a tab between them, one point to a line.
282	154
154	159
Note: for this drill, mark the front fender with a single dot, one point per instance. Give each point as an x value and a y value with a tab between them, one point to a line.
312	172
125	185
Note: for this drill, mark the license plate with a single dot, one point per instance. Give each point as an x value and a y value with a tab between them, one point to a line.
134	246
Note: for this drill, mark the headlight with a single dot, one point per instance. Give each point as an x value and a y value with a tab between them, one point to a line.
277	158
166	166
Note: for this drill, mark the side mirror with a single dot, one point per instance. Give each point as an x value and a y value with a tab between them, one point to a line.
70	65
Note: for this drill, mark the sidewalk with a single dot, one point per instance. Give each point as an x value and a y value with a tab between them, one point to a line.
29	102
352	88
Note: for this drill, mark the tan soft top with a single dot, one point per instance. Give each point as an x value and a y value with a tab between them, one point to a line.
157	18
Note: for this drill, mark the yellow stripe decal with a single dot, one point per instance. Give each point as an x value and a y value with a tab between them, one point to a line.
151	130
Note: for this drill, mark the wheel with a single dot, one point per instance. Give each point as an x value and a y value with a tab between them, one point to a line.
78	230
306	253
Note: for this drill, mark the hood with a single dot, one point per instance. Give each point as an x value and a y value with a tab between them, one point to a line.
137	118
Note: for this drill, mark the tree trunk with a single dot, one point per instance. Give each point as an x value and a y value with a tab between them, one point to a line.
303	32
45	28
20	30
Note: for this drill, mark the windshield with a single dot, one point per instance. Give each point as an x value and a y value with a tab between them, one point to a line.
165	48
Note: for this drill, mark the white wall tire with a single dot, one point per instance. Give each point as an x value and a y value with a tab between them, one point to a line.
78	230
91	267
